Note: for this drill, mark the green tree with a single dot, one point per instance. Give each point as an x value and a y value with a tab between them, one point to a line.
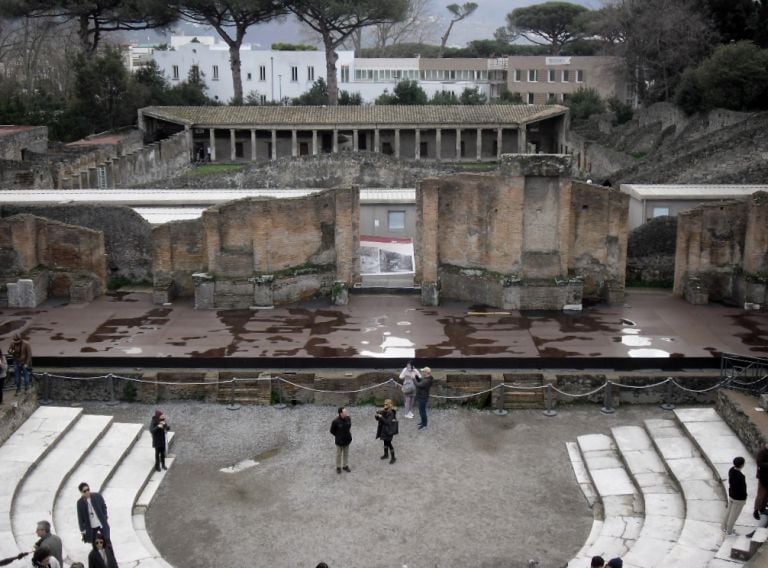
317	95
507	97
405	93
734	20
621	110
101	93
473	96
293	47
734	77
336	20
584	103
458	13
444	98
553	24
350	99
231	20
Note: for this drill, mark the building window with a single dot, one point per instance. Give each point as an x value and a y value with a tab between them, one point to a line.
579	76
518	76
294	73
262	72
215	72
660	212
263	99
248	77
566	76
175	72
533	75
551	98
551	75
310	73
530	98
345	73
396	220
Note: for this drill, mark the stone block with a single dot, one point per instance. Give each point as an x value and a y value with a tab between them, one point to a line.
82	292
615	293
163	293
339	294
28	292
741	549
205	291
430	294
262	292
696	295
542	165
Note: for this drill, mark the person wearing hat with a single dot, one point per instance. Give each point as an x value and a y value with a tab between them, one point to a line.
158	427
22	361
423	384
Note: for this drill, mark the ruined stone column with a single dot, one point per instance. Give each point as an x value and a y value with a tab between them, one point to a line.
211	239
274	144
479	144
314	142
426	248
212	143
417	151
190	144
438	143
347	242
253	145
335	140
355	144
458	144
522	142
397	142
499	142
232	152
294	143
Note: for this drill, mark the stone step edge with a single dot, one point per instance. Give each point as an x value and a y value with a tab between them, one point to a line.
590	494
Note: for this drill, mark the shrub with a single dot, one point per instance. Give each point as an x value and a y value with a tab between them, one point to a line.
584	103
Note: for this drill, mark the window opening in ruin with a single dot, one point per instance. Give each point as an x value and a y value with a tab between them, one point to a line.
303	149
423	149
386	148
239	150
396	220
660	211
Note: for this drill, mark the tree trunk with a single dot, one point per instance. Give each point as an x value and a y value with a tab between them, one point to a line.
84	35
237	77
330	69
444	39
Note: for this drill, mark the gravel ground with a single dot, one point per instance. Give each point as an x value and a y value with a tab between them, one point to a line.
473	489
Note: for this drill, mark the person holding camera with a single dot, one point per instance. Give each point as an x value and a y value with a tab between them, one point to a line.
21	352
387	429
158	427
423	384
408	374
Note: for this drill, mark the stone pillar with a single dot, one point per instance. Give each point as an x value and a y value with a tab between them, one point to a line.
205	291
232	152
190	144
212	143
438	143
499	142
211	239
294	143
479	144
253	144
347	241
335	140
397	142
83	180
354	140
426	248
522	142
376	140
417	137
458	144
274	144
262	291
314	142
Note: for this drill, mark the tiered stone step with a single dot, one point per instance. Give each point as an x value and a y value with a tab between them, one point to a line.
719	445
96	468
590	494
245	392
36	495
622	504
664	505
701	536
20	453
516	398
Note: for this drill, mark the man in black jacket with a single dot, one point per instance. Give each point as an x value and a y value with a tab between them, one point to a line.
341	428
91	514
737	495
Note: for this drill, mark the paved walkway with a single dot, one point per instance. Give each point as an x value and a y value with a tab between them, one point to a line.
650	324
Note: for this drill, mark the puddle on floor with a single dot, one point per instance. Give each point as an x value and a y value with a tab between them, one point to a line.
250	462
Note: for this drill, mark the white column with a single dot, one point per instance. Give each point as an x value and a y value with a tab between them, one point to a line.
294	143
354	140
253	144
522	142
417	136
335	141
438	143
274	144
314	142
190	142
479	144
499	142
376	140
397	142
458	144
212	143
232	153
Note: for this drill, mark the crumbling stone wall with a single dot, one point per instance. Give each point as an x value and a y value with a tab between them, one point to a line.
722	252
15	141
521	239
261	251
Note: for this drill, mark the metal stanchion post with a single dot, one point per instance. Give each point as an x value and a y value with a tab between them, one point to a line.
280	404
46	389
500	410
550	411
112	399
667	404
232	405
608	401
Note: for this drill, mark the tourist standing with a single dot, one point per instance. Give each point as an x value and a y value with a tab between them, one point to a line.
341	428
22	361
423	384
158	428
102	555
737	495
407	375
43	557
761	499
91	514
387	429
48	540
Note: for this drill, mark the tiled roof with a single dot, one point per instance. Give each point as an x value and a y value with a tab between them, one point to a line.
689	191
354	115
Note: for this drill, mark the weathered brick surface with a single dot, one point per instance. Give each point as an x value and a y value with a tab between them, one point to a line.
756	238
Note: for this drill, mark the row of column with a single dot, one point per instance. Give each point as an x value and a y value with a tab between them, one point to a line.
521	142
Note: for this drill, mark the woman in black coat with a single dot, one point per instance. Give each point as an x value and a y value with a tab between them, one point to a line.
102	555
158	427
387	429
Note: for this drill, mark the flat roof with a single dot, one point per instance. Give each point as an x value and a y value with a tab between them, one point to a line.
689	191
334	116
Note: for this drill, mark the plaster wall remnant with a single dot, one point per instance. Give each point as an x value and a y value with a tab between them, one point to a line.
722	253
41	258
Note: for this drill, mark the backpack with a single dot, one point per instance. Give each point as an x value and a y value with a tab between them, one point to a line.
409	387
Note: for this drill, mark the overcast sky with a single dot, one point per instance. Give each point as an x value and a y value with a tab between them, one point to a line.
489	15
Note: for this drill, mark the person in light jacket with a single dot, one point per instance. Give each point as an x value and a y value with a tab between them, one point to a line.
407	375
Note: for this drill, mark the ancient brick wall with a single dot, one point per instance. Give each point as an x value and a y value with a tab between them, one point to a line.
14	140
177	254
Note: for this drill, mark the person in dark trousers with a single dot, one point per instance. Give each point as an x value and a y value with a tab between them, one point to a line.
158	427
423	384
91	514
102	555
387	429
761	499
737	495
341	428
21	352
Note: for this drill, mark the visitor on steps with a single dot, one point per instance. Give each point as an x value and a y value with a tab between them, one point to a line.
761	499
341	428
387	429
615	563
92	514
597	562
48	540
21	352
43	557
423	384
102	555
737	495
158	428
407	375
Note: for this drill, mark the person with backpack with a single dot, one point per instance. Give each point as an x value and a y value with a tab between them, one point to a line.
407	375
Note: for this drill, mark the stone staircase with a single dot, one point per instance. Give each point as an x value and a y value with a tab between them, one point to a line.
659	493
524	398
41	465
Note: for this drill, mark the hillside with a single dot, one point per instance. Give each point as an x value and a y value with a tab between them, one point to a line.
662	145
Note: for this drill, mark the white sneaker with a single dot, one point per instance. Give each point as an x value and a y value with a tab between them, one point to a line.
409	415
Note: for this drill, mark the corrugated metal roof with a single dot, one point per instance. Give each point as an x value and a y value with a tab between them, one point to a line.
443	115
689	191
